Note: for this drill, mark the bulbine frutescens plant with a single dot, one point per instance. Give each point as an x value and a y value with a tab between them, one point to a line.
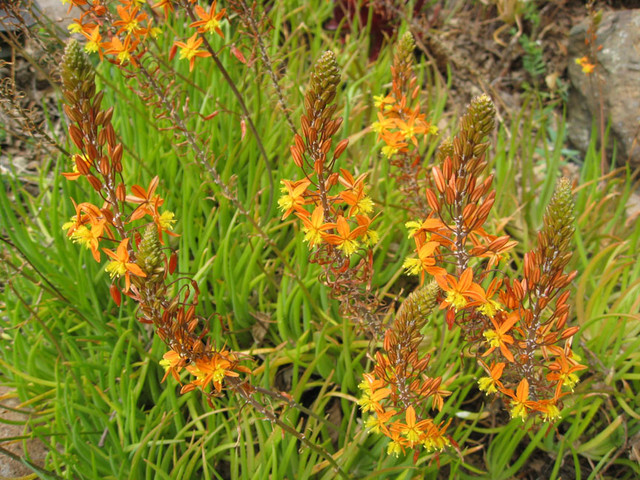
128	229
515	327
334	208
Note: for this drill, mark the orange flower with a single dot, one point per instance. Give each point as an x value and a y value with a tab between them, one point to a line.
370	237
167	5
587	67
413	430
314	227
498	337
549	409
357	199
129	19
164	221
492	383
394	143
346	239
383	102
489	307
90	237
85	213
562	372
382	125
120	265
209	22
190	50
520	403
122	51
411	128
434	438
459	291
94	43
372	394
425	262
294	198
172	363
213	370
377	423
145	198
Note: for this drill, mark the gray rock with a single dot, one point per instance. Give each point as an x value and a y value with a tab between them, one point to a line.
616	80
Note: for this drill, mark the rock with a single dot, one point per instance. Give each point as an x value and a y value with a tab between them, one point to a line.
58	13
616	79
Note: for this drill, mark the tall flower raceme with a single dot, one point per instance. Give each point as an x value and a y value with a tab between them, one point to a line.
398	394
512	326
401	124
333	206
515	328
128	228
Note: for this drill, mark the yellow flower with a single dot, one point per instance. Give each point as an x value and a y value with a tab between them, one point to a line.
314	227
190	50
167	220
413	266
520	401
121	265
551	413
587	67
209	21
390	150
395	448
293	198
490	308
380	100
74	28
345	239
413	227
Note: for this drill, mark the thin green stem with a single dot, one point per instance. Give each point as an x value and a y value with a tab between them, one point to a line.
244	108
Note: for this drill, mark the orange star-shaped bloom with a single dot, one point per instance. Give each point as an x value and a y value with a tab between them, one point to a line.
492	383
213	370
498	337
377	423
167	5
209	21
294	196
413	430
459	291
122	51
94	43
563	372
172	363
121	265
145	198
314	226
370	237
357	199
345	239
425	263
372	394
130	19
520	403
190	50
